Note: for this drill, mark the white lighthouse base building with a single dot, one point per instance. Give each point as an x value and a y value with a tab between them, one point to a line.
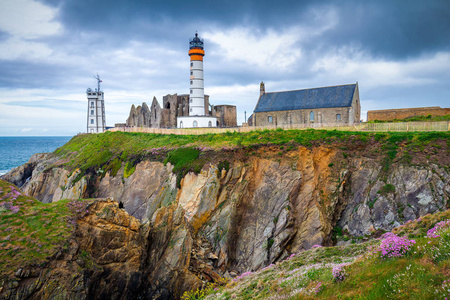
196	122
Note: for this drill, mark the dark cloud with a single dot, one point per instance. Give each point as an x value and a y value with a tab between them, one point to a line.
397	29
140	48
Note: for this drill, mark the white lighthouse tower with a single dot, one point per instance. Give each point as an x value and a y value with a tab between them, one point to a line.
96	122
197	116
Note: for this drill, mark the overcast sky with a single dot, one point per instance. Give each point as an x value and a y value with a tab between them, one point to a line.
397	50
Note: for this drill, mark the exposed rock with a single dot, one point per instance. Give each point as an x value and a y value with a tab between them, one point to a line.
219	224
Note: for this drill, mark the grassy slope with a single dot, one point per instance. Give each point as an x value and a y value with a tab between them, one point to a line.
109	151
31	231
308	275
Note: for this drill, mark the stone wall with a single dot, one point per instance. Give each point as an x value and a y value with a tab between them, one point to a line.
403	113
302	116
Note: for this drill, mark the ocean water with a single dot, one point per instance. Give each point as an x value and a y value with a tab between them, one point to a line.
15	151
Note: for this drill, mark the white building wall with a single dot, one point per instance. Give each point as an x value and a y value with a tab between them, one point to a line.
196	121
96	117
197	93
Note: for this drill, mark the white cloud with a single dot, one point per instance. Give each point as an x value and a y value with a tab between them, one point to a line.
28	19
15	48
352	65
270	50
275	49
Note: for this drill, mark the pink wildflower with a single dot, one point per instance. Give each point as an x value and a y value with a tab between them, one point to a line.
395	246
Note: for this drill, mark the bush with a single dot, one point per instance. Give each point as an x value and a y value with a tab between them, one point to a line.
395	246
339	273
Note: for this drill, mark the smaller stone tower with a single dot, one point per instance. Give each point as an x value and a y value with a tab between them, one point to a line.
96	122
262	89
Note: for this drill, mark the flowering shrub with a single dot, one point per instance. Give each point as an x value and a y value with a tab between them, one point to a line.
8	206
291	256
268	267
339	273
318	288
444	291
78	210
438	247
395	246
316	246
434	232
242	275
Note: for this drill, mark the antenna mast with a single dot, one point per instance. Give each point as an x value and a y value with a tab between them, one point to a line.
98	82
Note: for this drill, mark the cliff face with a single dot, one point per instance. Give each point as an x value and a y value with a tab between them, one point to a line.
261	209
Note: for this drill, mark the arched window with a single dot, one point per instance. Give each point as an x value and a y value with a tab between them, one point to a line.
311	116
338	117
154	109
195	124
209	124
181	124
168	105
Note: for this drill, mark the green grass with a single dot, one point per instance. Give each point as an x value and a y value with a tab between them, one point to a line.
184	160
109	150
34	233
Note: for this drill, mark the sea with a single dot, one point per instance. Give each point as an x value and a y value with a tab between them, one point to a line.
15	150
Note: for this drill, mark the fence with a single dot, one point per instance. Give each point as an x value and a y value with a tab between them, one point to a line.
376	127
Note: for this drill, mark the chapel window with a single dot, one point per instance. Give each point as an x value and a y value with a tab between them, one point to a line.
311	116
338	117
270	119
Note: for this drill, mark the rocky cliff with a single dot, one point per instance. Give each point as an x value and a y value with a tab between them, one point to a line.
248	206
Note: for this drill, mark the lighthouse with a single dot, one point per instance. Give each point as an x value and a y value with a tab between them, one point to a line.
197	113
197	94
96	109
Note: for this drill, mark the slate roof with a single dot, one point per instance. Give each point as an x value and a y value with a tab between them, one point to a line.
332	96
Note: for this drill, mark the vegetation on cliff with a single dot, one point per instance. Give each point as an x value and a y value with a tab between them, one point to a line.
378	269
31	232
101	153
